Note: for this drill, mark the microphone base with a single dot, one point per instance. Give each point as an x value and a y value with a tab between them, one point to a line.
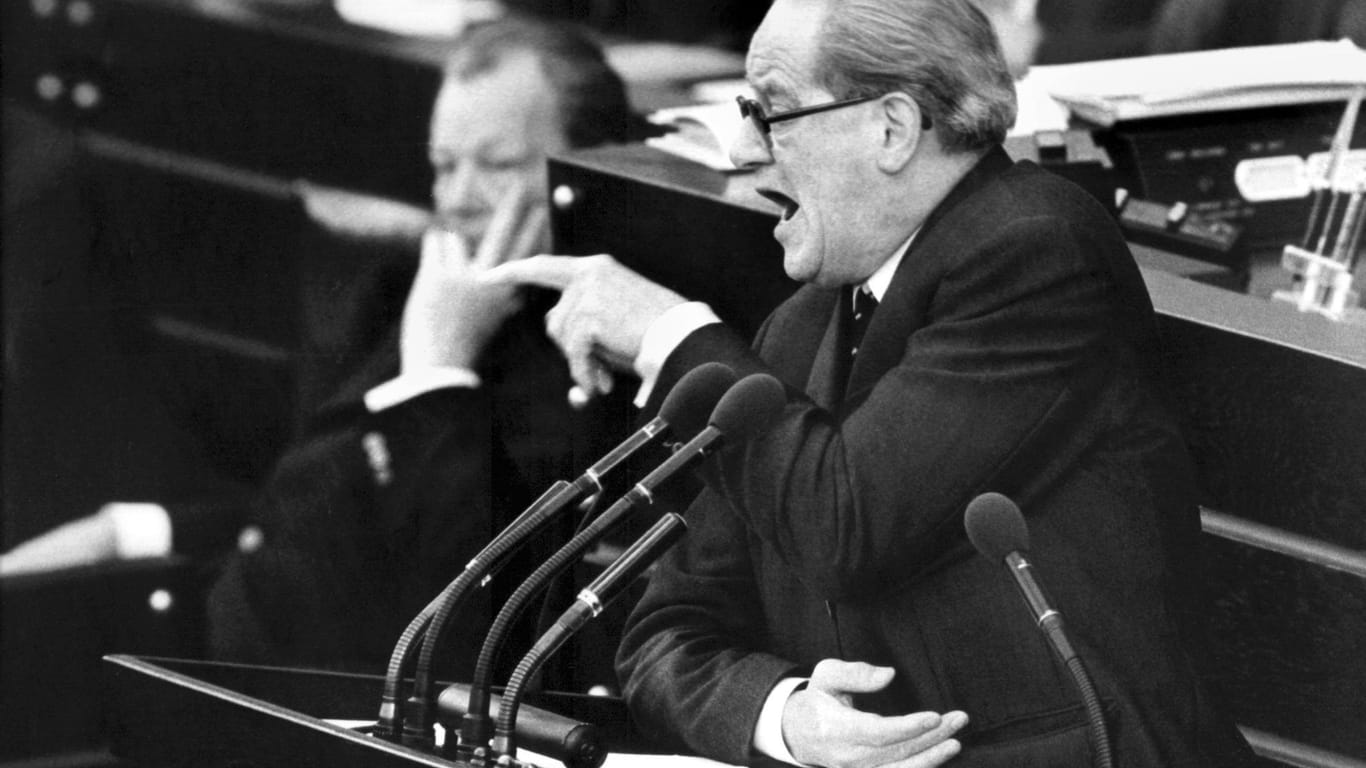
487	758
459	753
482	758
575	743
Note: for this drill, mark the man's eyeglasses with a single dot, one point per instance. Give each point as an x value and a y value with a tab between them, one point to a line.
753	110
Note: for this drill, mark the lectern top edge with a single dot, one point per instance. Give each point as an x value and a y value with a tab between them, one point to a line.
268	711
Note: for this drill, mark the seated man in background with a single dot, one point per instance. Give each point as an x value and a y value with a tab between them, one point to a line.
455	422
972	324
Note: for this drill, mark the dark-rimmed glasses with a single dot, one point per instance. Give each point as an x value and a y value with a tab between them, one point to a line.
753	110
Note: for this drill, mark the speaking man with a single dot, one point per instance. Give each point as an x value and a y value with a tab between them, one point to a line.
970	324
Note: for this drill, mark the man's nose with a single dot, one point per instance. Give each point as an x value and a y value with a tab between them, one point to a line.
750	148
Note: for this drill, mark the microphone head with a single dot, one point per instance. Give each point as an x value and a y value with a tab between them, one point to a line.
750	407
686	406
996	527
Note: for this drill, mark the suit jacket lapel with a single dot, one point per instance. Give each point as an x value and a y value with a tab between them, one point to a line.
903	309
830	368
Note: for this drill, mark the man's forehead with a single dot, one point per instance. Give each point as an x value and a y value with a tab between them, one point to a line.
782	53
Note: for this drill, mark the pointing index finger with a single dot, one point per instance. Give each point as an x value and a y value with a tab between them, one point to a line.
555	272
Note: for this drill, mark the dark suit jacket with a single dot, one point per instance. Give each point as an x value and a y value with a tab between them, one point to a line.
368	515
1012	352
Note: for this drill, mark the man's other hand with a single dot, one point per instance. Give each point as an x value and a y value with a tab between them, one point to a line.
821	726
451	315
602	315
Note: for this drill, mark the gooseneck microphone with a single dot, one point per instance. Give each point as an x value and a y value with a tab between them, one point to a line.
590	602
681	414
997	530
486	563
750	407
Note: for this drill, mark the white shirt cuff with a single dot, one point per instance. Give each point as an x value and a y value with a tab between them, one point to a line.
768	731
663	337
141	529
410	384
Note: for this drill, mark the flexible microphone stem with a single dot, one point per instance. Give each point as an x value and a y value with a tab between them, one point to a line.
474	729
475	726
1050	621
696	392
1095	716
998	531
488	562
387	725
590	602
417	726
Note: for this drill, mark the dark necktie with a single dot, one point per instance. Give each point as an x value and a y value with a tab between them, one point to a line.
864	304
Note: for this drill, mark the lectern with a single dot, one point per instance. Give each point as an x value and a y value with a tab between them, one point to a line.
174	712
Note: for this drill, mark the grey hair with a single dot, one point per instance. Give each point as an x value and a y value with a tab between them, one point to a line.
942	53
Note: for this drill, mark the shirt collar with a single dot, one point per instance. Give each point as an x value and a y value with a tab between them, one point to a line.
880	280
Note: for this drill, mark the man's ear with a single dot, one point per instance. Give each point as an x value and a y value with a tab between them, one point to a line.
901	131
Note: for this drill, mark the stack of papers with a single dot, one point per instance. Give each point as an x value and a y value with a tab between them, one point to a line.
1106	92
1099	92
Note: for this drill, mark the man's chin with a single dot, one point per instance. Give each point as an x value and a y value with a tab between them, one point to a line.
800	266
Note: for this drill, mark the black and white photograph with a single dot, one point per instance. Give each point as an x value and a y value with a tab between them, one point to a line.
683	383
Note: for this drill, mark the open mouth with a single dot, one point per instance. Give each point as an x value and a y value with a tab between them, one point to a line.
788	205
